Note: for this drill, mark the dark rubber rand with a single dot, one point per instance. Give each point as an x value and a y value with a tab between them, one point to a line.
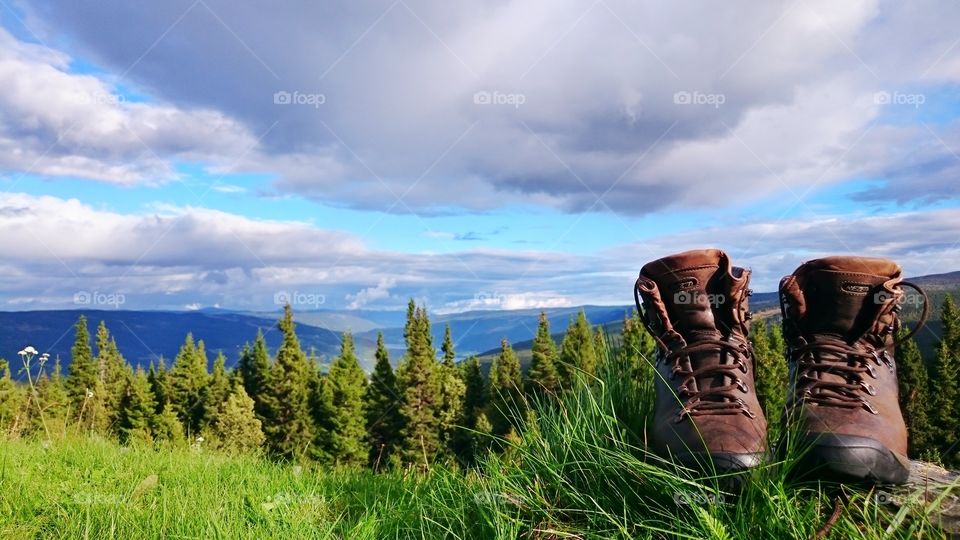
834	456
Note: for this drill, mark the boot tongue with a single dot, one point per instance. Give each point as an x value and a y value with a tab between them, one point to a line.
840	294
686	284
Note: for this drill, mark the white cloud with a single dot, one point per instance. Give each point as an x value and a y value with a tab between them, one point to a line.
57	123
371	294
193	256
598	83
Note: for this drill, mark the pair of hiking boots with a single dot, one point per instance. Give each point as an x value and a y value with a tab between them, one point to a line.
840	323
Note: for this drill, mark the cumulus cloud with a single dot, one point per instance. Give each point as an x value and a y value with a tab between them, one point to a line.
195	257
365	296
536	101
57	123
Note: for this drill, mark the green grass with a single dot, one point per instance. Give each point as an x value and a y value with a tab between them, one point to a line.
580	472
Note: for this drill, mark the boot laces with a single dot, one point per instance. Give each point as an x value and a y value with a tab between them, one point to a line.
833	355
718	399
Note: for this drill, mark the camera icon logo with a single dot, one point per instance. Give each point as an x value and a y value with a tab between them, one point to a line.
282	97
882	98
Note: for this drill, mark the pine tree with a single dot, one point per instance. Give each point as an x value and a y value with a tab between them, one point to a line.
770	372
54	401
290	428
254	370
452	389
639	348
83	382
11	399
382	407
600	343
945	395
217	390
506	408
114	373
137	410
475	399
577	352
420	389
950	323
347	385
160	383
542	378
914	385
236	428
188	377
167	426
322	414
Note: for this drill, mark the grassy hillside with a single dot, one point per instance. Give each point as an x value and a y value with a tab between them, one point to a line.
581	472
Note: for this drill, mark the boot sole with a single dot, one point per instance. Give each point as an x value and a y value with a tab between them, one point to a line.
720	462
833	456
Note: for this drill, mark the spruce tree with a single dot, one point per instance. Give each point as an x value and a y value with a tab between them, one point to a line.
290	428
450	408
10	400
114	373
54	401
137	410
160	383
770	372
638	349
577	352
476	396
188	377
83	382
382	408
600	344
507	408
236	428
542	377
945	395
217	390
348	436
322	414
254	369
167	426
914	383
420	390
950	324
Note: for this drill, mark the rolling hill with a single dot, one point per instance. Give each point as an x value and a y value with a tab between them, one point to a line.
144	336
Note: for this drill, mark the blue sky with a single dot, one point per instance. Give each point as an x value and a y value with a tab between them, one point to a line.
147	156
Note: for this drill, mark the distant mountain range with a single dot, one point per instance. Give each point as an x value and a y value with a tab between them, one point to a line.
144	336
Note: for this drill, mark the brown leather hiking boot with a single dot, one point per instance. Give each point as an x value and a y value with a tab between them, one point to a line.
840	317
706	414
